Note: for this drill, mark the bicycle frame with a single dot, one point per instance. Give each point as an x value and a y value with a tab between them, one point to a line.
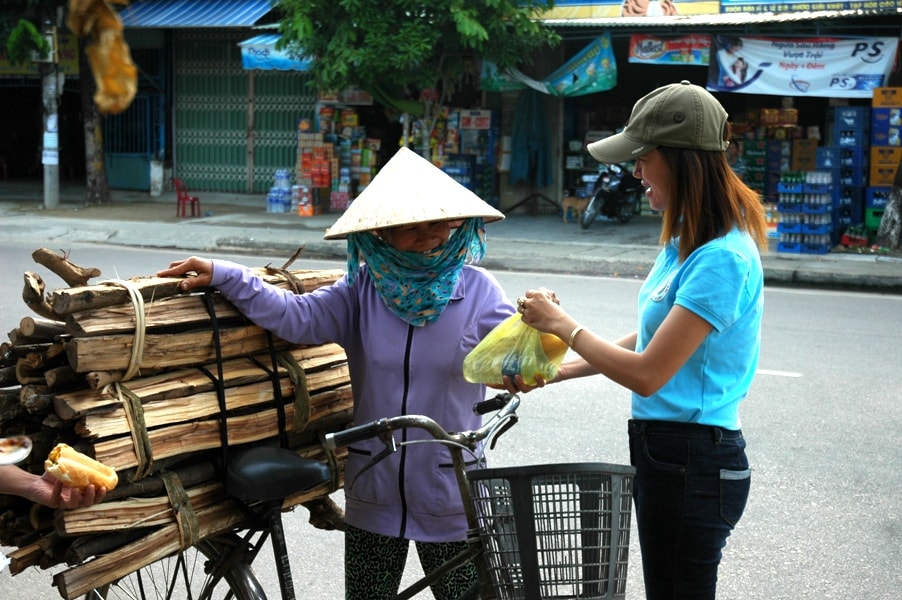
457	444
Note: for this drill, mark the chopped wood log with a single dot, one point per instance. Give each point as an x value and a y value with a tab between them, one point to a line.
184	382
33	295
204	404
63	376
42	329
35	398
8	376
69	272
163	542
25	556
134	512
84	547
110	293
75	299
179	310
113	352
182	438
25	373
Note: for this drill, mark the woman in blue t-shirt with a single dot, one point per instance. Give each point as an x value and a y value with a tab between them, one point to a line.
693	357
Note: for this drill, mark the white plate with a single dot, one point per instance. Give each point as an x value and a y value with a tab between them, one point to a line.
14	449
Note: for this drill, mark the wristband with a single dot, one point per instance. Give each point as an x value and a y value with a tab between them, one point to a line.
573	334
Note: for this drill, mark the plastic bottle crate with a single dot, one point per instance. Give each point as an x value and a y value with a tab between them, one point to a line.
789	227
851	117
789	247
792	208
815	248
877	197
816	209
820	229
790	188
872	217
817	188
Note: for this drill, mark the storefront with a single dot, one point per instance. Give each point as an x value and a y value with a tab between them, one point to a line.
787	96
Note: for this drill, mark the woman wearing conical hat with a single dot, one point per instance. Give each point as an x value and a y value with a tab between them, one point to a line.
407	312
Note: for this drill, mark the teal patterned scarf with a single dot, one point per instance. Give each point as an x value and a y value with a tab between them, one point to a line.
416	286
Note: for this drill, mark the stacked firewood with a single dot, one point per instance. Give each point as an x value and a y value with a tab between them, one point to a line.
135	374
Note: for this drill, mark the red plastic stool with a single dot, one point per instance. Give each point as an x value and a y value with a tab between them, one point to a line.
185	200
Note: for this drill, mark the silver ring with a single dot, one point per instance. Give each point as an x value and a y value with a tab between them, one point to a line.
521	301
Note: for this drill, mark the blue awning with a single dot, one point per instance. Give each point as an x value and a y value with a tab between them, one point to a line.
260	53
194	13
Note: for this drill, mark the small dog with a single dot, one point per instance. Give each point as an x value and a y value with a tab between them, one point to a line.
571	205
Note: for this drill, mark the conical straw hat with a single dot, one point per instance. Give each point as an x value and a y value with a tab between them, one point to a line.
410	189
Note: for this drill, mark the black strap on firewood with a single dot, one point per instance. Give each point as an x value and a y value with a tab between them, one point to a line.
219	380
277	391
185	517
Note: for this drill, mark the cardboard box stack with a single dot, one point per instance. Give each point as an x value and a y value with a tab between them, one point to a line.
886	151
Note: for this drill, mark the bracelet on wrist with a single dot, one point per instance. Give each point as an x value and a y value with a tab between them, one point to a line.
573	335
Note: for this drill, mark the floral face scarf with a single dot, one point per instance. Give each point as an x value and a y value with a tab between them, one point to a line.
416	286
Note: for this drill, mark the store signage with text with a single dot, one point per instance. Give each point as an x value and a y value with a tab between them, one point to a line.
685	50
829	67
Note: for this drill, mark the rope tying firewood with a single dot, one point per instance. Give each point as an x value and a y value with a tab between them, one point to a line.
137	353
301	391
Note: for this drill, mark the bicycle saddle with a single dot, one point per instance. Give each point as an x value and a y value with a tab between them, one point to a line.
270	473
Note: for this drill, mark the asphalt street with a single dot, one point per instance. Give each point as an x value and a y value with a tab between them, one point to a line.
536	240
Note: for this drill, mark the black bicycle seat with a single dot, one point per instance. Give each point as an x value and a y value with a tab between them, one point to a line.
272	473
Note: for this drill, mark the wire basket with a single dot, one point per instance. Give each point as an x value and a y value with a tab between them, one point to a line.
555	531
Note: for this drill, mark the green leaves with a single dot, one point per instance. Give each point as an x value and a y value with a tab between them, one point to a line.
24	41
409	45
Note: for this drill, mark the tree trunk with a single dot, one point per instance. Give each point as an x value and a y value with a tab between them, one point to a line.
889	234
98	188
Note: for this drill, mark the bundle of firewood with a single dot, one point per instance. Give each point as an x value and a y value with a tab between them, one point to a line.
136	375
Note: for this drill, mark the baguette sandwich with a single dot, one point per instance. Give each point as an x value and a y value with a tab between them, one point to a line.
78	470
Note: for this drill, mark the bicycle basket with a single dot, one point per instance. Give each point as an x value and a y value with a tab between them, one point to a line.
555	531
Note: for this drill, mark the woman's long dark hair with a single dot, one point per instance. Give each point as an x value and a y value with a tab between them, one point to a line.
708	199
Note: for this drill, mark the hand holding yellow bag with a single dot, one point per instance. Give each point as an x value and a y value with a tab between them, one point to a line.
512	348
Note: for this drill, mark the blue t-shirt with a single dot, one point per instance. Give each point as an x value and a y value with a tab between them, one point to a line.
722	282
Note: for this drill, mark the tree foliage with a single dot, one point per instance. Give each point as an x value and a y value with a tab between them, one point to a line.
20	27
398	48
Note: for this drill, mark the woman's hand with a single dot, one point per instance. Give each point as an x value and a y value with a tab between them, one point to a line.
517	385
198	272
541	309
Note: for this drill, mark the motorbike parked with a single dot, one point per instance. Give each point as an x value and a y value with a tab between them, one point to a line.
615	195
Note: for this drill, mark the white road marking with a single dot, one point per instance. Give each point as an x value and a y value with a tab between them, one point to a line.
778	373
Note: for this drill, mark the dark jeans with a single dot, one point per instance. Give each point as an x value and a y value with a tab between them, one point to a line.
692	482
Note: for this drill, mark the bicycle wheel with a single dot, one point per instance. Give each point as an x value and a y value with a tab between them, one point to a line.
198	573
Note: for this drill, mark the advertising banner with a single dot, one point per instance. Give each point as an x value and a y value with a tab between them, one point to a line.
260	53
593	69
831	67
686	50
601	9
786	6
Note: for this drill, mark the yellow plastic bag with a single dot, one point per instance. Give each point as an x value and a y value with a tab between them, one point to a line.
514	347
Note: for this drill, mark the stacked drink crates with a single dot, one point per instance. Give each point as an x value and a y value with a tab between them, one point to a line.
886	152
806	208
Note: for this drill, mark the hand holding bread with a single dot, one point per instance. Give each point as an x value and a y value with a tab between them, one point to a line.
78	470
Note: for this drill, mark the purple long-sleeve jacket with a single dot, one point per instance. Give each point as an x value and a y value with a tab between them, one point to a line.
395	369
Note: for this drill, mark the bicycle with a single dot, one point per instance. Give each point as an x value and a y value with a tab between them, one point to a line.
538	531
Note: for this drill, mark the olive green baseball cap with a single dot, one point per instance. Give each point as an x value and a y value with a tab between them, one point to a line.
679	115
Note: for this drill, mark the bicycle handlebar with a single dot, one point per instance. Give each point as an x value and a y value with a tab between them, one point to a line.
506	404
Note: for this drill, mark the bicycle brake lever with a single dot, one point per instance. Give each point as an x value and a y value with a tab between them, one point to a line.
510	423
390	448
